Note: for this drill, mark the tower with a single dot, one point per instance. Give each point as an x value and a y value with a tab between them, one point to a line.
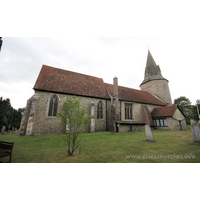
154	82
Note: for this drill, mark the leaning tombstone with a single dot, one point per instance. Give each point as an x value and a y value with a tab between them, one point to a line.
195	130
3	130
149	133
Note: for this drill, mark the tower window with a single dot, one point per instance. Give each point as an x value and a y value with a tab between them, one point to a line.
53	106
100	110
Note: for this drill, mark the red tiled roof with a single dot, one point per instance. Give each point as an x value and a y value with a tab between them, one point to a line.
129	94
63	81
166	111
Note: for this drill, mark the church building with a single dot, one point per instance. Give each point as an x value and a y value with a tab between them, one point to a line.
112	107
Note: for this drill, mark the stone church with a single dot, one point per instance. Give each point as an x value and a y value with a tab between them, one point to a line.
112	107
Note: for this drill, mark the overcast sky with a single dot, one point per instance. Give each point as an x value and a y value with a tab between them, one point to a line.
100	39
21	59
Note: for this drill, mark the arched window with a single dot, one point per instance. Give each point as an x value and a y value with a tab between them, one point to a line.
53	106
100	110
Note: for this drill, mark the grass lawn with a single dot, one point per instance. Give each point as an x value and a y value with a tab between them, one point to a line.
107	147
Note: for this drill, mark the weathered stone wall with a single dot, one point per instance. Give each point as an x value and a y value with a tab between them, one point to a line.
178	115
130	128
124	128
158	87
25	116
44	124
136	111
173	125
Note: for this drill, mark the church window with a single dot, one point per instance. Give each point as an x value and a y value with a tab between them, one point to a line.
100	110
165	122
53	106
128	111
160	122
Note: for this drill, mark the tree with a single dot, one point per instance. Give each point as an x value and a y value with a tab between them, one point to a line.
73	121
9	117
185	105
193	113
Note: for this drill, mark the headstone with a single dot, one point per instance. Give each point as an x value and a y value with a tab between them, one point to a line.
3	130
13	129
195	126
149	133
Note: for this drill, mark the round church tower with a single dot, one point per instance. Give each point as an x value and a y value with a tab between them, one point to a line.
154	82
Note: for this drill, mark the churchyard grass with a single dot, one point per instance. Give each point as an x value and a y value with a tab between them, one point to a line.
107	147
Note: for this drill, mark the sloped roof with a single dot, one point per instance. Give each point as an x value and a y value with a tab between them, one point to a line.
64	81
130	94
68	82
166	111
152	71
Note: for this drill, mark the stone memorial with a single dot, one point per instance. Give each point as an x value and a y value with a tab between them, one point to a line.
195	126
149	133
3	130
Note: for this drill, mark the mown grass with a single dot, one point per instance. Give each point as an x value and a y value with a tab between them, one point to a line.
107	147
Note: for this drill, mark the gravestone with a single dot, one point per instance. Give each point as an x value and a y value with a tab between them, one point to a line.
3	130
149	133
195	126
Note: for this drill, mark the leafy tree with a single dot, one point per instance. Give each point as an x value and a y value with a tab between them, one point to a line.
185	105
193	113
9	117
73	121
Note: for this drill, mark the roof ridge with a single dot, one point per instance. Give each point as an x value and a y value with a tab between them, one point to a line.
127	87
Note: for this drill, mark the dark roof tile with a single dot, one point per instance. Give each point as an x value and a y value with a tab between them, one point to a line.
166	111
64	81
130	94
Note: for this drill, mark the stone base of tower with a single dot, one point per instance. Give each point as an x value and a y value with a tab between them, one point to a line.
159	88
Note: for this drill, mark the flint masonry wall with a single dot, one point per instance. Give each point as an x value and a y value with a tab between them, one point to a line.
44	124
158	87
136	110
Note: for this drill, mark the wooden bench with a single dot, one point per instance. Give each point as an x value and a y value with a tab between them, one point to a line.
6	150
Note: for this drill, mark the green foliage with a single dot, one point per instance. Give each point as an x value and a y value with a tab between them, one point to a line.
9	117
73	121
185	105
194	113
189	110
